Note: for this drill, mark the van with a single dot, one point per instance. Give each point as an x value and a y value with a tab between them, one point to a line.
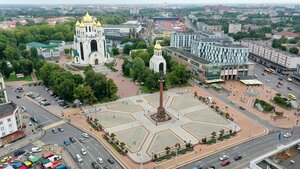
79	159
291	96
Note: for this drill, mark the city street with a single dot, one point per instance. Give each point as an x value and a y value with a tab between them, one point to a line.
45	118
272	81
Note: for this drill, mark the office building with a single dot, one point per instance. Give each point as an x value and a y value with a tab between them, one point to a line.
234	28
208	28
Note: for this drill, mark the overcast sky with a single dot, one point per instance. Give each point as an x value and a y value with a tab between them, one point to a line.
140	1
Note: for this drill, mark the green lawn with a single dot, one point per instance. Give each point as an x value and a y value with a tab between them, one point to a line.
13	78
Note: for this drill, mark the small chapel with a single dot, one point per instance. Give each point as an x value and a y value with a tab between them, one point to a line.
89	42
157	62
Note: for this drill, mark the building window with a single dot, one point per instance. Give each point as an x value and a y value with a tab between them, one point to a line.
3	134
94	46
2	128
81	51
1	122
10	125
9	120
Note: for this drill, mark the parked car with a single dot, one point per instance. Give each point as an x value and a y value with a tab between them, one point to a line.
290	89
19	152
83	151
263	74
280	79
225	162
72	139
79	159
224	157
287	135
66	142
242	108
85	135
237	158
60	129
54	130
33	119
66	106
280	83
111	161
81	140
210	167
18	97
100	160
95	165
36	149
46	104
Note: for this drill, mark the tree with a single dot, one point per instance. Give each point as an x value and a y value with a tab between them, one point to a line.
67	51
84	94
126	67
16	66
138	66
26	66
66	89
58	36
111	88
126	49
141	45
46	70
294	50
115	51
151	80
5	70
11	53
34	53
182	74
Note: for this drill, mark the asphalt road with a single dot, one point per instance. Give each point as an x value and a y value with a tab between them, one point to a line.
93	148
272	81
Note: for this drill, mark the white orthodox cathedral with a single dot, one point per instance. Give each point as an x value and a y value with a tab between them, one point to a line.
89	43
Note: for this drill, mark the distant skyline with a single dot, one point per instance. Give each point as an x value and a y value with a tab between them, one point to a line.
83	2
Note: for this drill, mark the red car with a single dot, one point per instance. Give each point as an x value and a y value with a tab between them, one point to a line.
225	162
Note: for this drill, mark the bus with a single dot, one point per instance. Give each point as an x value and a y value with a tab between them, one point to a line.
269	70
291	96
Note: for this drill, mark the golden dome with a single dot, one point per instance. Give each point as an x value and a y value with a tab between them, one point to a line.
82	25
94	23
77	23
99	24
87	18
157	47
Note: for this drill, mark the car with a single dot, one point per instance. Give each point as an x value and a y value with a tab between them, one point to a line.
210	167
237	158
277	86
79	158
19	152
268	80
83	152
18	97
95	165
66	106
30	124
38	98
60	129
72	139
111	161
81	140
231	102
200	84
290	89
100	160
289	79
23	108
7	159
85	135
280	79
66	142
27	153
224	157
54	130
225	162
33	119
198	166
280	83
106	167
287	135
242	108
46	104
263	74
36	149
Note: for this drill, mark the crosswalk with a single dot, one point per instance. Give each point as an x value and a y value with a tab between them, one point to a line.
54	125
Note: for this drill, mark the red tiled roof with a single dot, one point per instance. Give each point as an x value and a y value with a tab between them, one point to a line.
288	34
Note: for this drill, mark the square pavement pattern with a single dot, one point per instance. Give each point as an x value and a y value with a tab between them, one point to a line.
129	119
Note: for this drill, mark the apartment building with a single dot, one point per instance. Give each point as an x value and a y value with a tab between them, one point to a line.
281	61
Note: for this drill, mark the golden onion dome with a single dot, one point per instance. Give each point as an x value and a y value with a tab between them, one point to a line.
157	47
77	23
82	25
94	23
99	24
87	18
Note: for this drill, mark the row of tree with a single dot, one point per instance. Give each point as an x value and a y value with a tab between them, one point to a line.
95	87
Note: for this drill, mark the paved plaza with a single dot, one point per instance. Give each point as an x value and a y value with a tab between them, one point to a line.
129	119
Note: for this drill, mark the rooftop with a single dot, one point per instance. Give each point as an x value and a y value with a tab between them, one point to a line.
289	34
7	109
40	45
121	26
189	55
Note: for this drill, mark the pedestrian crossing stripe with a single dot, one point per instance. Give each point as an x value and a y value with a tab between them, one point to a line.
54	125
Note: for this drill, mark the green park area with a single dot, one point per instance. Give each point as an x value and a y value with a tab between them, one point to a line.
283	102
13	77
267	107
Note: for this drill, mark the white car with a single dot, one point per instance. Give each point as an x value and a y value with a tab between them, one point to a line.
287	135
224	157
83	152
85	135
100	160
38	98
36	149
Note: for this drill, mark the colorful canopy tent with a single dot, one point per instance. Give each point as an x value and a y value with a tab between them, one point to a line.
215	85
44	160
28	163
48	165
16	165
33	159
22	167
9	167
47	155
62	167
